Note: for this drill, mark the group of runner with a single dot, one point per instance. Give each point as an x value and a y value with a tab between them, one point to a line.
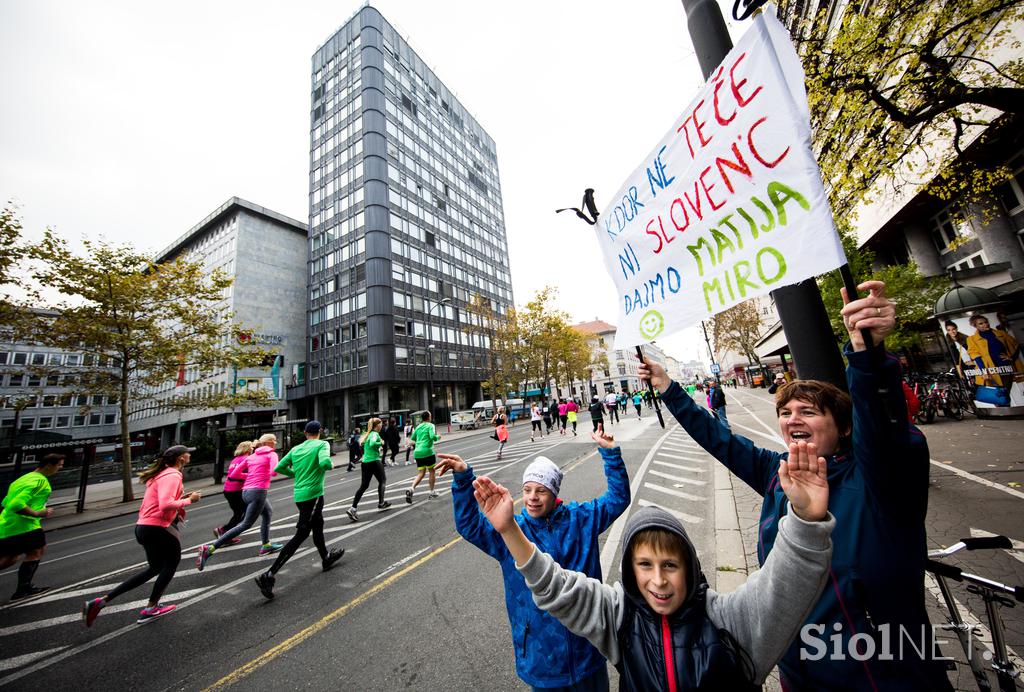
163	511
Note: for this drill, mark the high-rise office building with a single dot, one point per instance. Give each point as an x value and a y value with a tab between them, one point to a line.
405	229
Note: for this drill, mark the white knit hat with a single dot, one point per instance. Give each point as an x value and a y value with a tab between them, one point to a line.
544	471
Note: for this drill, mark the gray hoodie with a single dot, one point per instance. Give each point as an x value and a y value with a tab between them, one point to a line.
763	615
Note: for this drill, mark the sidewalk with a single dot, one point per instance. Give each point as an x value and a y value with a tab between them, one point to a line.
103	500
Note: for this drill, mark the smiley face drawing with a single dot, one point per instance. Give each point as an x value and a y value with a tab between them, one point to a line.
651	324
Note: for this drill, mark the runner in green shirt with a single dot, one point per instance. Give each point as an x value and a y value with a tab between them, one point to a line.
306	463
424	436
21	535
372	467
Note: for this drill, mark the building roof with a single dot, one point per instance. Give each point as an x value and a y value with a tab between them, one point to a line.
218	214
594	327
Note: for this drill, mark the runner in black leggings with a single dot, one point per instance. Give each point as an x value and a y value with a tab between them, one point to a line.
307	463
162	510
372	467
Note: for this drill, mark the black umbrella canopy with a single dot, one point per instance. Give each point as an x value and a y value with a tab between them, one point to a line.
961	299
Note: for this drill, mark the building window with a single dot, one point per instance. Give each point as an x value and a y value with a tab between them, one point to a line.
79	421
3	357
38	359
95	418
946	228
970	262
20	359
1011	193
63	421
45	422
111	418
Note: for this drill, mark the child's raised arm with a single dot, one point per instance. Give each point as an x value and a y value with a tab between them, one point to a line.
495	502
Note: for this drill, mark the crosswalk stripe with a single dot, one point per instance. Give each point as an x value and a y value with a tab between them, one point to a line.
682	457
62	619
677	479
681	516
669	491
19	661
679	467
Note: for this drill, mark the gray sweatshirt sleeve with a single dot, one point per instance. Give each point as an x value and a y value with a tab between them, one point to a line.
585	606
765	613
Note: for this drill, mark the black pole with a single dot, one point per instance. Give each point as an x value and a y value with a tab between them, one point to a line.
801	310
83	478
650	388
711	353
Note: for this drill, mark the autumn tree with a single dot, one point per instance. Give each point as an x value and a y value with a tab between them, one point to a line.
15	293
147	320
738	329
899	86
571	357
544	327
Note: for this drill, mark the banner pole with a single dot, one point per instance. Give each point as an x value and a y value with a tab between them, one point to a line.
650	388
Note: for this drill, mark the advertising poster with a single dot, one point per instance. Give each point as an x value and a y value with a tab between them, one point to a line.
988	355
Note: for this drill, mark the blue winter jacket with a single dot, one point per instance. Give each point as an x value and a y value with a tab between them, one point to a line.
879	497
547	654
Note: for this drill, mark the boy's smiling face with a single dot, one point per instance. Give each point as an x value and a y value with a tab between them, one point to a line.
661	578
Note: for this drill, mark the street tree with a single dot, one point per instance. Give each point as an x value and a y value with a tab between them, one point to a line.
571	358
150	322
543	329
900	85
15	293
738	329
914	294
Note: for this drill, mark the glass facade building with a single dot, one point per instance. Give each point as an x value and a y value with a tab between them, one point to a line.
405	229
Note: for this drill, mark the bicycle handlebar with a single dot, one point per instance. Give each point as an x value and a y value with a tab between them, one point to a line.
987	543
955	573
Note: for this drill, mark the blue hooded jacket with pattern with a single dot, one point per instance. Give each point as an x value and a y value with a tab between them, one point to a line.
547	654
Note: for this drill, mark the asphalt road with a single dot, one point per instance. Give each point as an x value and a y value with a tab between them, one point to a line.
410	605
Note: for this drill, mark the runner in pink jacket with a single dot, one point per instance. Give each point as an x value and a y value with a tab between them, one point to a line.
233	482
157	530
258	468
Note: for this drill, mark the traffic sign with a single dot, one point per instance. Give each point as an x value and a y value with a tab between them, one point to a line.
715	368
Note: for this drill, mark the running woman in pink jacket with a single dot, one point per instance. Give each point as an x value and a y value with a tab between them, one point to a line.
258	468
157	531
233	482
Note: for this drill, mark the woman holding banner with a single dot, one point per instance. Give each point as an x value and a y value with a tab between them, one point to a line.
878	482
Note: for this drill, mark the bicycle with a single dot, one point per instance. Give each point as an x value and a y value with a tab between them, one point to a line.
992	593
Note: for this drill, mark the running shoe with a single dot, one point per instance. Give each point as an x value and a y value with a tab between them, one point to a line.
205	551
332	557
236	540
270	548
91	609
432	494
408	496
266	583
159	610
218	531
351	512
383	505
29	592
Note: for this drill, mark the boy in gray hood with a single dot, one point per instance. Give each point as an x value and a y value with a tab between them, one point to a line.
663	628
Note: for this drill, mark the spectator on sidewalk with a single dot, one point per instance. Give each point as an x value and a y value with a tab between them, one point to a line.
716	400
878	480
547	655
21	533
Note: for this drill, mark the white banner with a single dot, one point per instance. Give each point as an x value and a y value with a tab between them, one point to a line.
729	205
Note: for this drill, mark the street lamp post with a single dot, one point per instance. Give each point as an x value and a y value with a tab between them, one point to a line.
430	355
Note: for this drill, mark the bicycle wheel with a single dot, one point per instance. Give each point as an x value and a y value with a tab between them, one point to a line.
930	410
954	411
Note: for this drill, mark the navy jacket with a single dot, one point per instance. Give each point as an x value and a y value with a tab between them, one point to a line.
547	654
879	497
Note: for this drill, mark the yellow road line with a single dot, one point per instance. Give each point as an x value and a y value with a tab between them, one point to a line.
305	634
301	636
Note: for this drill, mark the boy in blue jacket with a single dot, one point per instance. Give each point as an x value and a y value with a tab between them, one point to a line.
878	480
547	654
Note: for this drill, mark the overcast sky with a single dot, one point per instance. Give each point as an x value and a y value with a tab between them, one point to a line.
134	120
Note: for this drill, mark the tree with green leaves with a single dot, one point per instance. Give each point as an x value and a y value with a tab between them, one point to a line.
899	88
543	328
738	329
148	320
15	293
915	295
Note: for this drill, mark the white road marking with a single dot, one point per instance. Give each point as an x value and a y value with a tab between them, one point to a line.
978	479
679	467
19	661
117	608
401	562
681	516
685	496
677	479
681	457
